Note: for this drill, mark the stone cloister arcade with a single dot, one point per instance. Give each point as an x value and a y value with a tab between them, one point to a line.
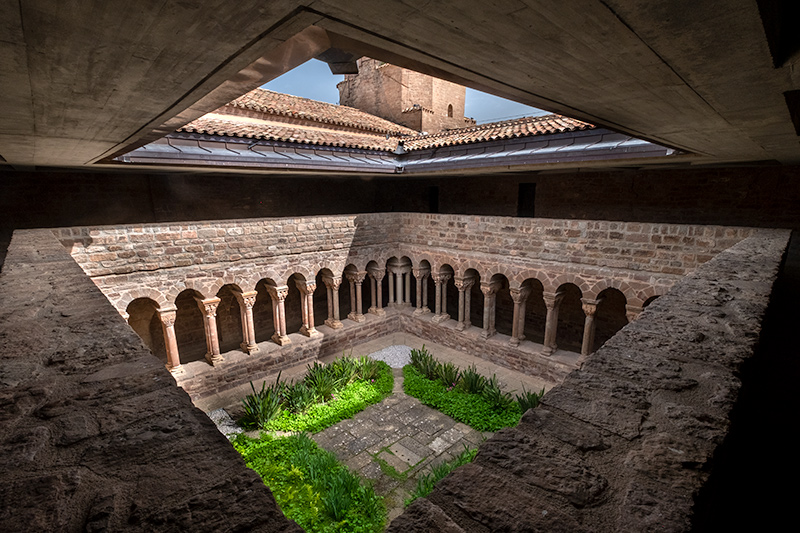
210	317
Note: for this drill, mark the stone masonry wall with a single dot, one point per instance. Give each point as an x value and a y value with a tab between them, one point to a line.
625	443
95	436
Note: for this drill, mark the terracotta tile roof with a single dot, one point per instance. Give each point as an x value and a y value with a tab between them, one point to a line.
257	129
495	131
273	103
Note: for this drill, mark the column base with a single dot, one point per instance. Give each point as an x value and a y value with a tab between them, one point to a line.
461	326
249	348
485	334
309	332
377	311
214	359
281	340
421	311
405	304
333	324
548	350
513	341
176	370
356	317
438	319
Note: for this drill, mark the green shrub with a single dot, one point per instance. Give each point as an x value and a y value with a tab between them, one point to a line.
494	395
297	397
423	361
368	368
529	399
471	381
261	407
322	380
471	409
311	486
426	483
344	371
449	374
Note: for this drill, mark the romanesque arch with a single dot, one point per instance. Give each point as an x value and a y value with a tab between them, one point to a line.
144	320
229	318
189	326
571	318
610	316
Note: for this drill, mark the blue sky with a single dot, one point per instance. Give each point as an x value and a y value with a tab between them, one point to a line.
314	80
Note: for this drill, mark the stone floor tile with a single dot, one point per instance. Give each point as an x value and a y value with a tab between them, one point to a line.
371	470
415	446
359	461
394	461
405	455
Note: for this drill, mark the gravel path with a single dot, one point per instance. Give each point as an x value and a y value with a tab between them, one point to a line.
396	356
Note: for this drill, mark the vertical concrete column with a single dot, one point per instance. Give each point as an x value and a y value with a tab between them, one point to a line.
552	303
421	275
589	309
632	312
355	279
306	289
167	317
209	309
332	285
489	291
246	302
278	295
377	294
520	298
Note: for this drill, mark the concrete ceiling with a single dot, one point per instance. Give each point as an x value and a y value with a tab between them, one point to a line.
81	80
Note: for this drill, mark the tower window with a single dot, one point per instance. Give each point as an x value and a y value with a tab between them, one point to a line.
450	110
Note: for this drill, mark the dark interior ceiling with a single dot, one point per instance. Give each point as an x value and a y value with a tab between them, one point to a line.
83	80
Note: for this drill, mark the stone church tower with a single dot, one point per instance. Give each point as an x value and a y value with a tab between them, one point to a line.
417	101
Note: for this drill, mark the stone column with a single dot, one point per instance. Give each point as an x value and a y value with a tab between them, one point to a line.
377	292
167	317
463	285
246	302
589	309
552	302
398	275
489	291
407	282
332	284
355	279
421	275
306	289
632	312
278	295
209	309
391	288
441	298
520	297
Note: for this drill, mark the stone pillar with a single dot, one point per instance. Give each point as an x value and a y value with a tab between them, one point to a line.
398	275
407	283
278	295
552	302
306	289
520	297
355	279
463	285
391	288
246	302
489	291
332	284
632	312
441	297
421	275
167	317
377	291
209	309
589	309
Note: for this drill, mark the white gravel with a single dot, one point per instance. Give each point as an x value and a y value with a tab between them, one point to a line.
396	356
224	422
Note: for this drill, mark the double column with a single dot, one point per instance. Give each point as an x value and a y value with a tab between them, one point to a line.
246	302
167	317
421	275
356	279
307	289
209	309
464	286
520	298
441	297
278	297
333	284
400	290
552	302
489	291
376	291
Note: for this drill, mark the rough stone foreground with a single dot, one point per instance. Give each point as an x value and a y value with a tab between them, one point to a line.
625	443
94	433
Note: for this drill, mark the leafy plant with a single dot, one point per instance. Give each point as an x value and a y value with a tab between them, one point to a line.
449	374
426	483
368	369
472	381
344	370
322	380
529	399
494	395
261	407
297	397
423	361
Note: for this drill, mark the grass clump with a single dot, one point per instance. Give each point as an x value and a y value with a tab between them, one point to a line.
426	483
262	406
311	486
325	396
529	399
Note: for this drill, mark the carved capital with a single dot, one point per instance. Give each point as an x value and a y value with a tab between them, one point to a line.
552	300
376	274
356	277
420	273
632	312
589	306
167	316
442	277
490	288
332	282
208	306
520	295
247	299
464	284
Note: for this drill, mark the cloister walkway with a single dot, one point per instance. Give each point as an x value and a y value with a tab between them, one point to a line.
397	441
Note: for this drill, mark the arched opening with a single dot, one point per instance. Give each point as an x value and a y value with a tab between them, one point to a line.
535	311
263	314
610	316
504	305
571	320
476	299
293	305
450	110
229	319
345	305
321	298
189	327
388	278
399	274
144	320
449	292
650	300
